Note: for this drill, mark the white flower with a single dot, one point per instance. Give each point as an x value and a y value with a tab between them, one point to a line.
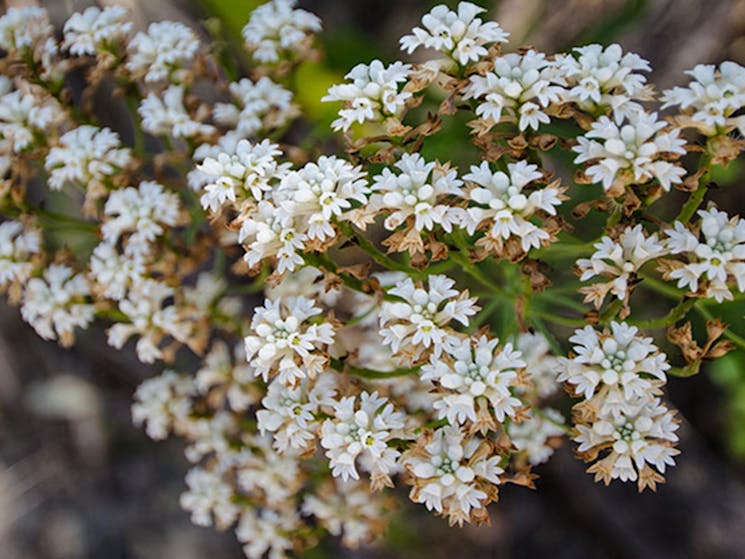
711	98
55	304
150	318
361	428
453	474
618	260
270	231
286	343
532	435
114	273
263	473
320	192
163	52
643	436
18	244
94	30
476	372
232	377
168	116
422	318
261	105
461	35
714	262
27	118
143	212
416	192
276	29
267	530
162	402
604	78
289	413
617	360
87	156
541	366
246	171
347	509
209	495
23	28
632	153
519	87
506	203
371	95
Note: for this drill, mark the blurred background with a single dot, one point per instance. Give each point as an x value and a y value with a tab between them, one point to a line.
78	481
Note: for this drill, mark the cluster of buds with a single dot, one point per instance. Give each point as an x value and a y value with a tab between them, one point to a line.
418	321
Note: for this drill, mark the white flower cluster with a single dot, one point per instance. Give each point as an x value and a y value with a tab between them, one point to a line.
372	94
460	35
18	245
506	204
418	192
260	105
419	323
22	28
476	381
360	430
454	474
519	88
86	156
286	343
620	374
714	262
605	78
95	30
166	114
711	98
635	153
164	52
277	29
57	303
26	118
618	260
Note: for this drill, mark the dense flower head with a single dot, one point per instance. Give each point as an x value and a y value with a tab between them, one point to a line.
473	374
141	212
95	29
320	192
246	172
270	232
633	153
359	429
518	88
618	359
18	244
25	117
711	98
161	402
421	319
607	77
715	255
164	52
23	28
277	28
287	342
86	156
371	94
618	260
417	192
166	114
534	436
461	35
454	474
113	273
507	202
636	445
259	105
56	304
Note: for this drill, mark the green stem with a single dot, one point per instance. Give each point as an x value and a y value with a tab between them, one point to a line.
736	339
694	201
373	252
343	367
675	314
